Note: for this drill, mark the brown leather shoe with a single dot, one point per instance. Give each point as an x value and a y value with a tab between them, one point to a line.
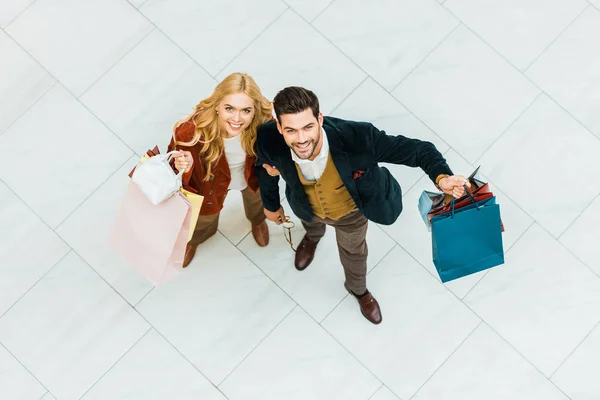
260	233
190	252
304	254
369	307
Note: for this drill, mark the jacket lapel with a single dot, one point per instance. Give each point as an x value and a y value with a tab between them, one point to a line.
341	160
288	169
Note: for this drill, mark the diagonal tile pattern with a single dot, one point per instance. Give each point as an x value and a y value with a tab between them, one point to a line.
88	86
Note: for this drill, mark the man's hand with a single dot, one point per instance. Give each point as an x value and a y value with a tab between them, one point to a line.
271	170
453	185
276	216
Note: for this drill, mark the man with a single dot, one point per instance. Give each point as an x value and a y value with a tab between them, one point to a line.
332	177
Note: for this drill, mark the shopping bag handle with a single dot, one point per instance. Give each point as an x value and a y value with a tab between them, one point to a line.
470	196
168	158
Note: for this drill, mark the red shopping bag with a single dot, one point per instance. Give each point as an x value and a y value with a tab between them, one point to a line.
152	238
481	192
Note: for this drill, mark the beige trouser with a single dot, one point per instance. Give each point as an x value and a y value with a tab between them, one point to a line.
207	224
350	234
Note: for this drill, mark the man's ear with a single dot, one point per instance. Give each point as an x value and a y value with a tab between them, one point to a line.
279	127
320	119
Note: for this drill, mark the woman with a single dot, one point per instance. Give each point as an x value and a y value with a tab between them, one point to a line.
216	153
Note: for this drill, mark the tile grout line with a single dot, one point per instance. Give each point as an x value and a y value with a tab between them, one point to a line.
510	125
367	275
382	229
352	355
25	368
309	315
505	252
550	234
114	65
321	12
18	15
436	278
504	339
517	351
143	297
527	77
139	6
331	42
96	118
252	41
376	391
447	358
256	346
7	128
93	192
87	264
167	37
438	45
150	327
71	250
488	45
435	133
574	350
44	395
556	38
37	281
348	95
579	215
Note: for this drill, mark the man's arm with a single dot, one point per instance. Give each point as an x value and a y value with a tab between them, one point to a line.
269	188
269	185
409	152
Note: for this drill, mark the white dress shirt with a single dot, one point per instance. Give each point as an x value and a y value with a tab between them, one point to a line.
312	170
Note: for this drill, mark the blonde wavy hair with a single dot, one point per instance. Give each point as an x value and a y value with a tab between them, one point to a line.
206	124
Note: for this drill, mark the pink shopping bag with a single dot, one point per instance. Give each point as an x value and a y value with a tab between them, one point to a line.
152	238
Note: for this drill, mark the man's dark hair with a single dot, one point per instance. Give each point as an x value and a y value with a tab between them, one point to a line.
294	100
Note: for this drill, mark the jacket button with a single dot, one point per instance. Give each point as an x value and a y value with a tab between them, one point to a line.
212	178
209	203
318	184
210	192
321	198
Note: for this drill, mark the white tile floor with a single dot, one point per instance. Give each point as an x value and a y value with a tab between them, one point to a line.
513	86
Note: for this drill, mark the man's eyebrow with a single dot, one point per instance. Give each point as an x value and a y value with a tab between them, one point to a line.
293	129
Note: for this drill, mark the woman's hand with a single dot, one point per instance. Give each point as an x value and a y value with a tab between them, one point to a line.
184	161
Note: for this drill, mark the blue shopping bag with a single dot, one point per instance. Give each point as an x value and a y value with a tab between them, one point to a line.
468	240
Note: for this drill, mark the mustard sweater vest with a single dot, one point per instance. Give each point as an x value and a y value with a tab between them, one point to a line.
328	197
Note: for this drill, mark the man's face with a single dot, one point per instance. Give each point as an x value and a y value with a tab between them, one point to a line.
302	133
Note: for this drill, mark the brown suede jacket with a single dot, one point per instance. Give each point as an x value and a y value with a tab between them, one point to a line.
215	189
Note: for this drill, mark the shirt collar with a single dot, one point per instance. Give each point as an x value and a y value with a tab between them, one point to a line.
324	153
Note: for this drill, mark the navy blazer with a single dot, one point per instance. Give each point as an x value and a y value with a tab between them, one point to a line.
354	147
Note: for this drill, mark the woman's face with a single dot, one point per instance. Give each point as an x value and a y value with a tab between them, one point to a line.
235	113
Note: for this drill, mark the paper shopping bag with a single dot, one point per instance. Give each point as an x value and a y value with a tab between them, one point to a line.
152	238
467	241
196	201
